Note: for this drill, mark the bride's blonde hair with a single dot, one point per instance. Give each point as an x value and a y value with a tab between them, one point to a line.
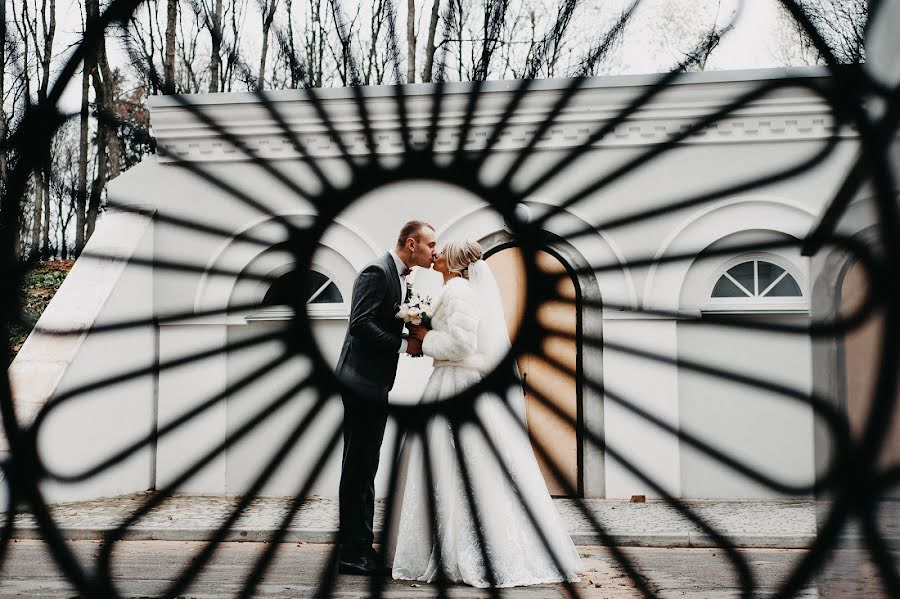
460	254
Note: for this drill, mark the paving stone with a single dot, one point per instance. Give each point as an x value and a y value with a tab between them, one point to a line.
655	523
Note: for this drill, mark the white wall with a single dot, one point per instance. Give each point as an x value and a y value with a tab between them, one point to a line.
649	386
769	432
95	423
772	133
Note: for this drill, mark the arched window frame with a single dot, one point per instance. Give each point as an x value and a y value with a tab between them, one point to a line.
329	311
737	305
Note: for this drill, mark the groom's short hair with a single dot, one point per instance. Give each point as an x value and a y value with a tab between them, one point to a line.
412	229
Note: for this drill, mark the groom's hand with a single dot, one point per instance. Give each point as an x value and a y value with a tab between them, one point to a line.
413	346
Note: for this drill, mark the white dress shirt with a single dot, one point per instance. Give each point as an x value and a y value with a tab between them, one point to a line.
400	268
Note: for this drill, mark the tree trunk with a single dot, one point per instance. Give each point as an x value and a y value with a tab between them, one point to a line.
268	17
35	249
411	41
49	34
48	25
45	232
429	43
97	186
81	198
103	95
215	59
101	99
169	59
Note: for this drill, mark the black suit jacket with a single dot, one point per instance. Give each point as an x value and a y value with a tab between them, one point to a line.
371	348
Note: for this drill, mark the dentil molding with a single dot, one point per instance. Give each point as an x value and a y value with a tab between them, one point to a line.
791	113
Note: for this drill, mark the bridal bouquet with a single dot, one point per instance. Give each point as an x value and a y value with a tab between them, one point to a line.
417	309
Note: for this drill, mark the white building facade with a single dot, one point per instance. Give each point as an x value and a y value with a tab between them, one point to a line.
635	402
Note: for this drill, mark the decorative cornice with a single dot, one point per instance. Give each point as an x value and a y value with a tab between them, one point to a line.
787	114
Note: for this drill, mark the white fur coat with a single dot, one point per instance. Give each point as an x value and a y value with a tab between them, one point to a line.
453	340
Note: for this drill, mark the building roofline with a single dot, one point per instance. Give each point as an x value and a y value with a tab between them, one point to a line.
509	85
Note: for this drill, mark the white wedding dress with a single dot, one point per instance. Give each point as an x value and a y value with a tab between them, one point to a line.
516	551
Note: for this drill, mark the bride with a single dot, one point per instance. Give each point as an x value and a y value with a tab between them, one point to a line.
468	338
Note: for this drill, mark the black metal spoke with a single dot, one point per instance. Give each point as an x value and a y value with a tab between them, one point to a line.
472	501
173	425
655	151
441	579
160	497
189	224
123	377
536	524
250	494
376	583
839	435
185	267
147	321
265	560
738	561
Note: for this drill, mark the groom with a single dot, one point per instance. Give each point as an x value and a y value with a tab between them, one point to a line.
368	365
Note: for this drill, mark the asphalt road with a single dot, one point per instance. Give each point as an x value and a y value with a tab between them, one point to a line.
145	568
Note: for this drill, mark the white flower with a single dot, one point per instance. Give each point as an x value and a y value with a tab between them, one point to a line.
416	309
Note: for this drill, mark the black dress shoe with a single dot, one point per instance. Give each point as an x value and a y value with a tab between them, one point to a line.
358	565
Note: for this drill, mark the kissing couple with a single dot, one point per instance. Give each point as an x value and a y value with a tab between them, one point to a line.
466	336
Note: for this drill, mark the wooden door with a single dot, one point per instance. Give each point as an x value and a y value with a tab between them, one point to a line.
558	437
862	359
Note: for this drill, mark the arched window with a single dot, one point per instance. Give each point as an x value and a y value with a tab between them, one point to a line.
756	284
316	288
756	278
322	295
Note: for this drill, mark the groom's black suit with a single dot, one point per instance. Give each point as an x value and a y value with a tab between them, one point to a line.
368	363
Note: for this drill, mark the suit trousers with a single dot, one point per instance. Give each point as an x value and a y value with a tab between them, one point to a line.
364	423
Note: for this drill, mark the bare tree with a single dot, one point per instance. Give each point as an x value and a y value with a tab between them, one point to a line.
268	8
37	30
685	31
81	195
410	41
193	70
544	56
377	49
314	45
237	12
144	43
841	25
169	60
342	53
430	48
64	186
215	54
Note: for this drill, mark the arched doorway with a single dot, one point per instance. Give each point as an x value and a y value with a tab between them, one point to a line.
561	439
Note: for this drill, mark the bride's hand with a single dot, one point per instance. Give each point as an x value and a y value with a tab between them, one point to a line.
417	331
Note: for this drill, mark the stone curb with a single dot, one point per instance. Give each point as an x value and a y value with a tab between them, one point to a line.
673	539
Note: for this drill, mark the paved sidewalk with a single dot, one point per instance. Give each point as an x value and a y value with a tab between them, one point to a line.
773	524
